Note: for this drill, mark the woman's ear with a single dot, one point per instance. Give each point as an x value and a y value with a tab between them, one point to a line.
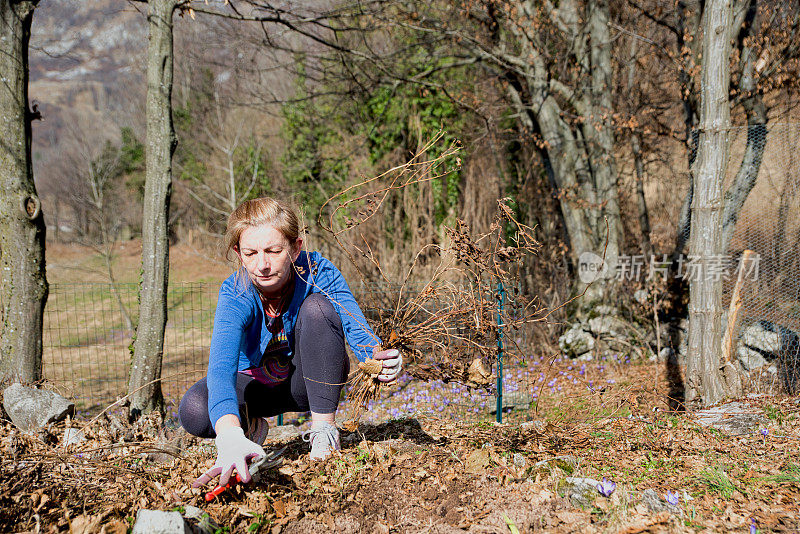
297	248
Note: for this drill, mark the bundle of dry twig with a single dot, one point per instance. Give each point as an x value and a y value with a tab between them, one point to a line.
447	328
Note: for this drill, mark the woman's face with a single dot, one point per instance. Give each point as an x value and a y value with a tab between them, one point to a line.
267	257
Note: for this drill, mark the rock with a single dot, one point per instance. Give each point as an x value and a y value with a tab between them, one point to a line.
607	325
653	501
31	409
73	436
656	504
762	337
580	491
200	521
665	354
159	522
576	341
736	418
604	309
511	399
749	358
283	433
566	463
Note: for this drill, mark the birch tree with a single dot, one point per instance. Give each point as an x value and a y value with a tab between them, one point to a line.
23	285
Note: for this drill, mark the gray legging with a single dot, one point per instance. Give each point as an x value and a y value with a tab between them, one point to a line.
319	355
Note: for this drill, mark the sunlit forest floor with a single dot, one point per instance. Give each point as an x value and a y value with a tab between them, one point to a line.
425	472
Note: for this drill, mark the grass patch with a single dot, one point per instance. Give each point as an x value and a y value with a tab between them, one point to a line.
717	481
790	475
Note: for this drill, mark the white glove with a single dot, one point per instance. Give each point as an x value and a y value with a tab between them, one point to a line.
233	451
392	363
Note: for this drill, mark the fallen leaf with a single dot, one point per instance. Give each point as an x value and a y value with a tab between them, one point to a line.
114	527
280	508
85	524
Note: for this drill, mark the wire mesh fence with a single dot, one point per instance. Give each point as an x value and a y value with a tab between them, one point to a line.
87	339
760	260
87	354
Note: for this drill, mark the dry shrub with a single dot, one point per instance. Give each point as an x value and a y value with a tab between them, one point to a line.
447	324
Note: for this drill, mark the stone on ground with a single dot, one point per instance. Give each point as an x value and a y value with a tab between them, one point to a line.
31	409
736	418
519	400
749	358
762	337
576	341
580	491
567	463
159	522
656	504
201	522
607	325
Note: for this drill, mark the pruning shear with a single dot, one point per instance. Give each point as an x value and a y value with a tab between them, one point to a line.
271	459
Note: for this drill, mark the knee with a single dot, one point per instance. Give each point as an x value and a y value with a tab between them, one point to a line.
193	413
316	308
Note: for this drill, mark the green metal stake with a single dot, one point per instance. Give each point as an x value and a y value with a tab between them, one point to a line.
280	419
502	295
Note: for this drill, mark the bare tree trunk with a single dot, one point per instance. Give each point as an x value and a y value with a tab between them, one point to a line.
689	101
23	285
641	202
756	111
705	383
638	165
144	386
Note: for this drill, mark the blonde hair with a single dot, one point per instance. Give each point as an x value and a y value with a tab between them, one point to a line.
260	211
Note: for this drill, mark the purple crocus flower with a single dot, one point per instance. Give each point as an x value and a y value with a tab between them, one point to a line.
606	487
764	432
753	529
673	498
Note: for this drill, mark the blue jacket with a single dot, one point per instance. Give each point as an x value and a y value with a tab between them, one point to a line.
240	334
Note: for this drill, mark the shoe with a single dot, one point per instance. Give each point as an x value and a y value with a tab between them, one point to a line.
257	430
324	439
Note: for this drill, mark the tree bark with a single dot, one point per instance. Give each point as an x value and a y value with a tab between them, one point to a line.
638	165
23	285
706	384
144	386
580	155
756	111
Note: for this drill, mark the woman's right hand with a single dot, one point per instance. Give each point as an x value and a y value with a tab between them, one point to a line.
234	451
392	361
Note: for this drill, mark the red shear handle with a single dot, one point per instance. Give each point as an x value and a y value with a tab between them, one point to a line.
219	489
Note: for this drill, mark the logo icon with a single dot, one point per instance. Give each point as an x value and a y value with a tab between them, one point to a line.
591	267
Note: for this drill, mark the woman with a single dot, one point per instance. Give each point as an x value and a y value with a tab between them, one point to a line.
278	342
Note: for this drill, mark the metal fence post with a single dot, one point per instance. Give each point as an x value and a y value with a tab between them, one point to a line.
502	296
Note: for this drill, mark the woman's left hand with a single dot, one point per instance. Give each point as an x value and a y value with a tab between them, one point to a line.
392	363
